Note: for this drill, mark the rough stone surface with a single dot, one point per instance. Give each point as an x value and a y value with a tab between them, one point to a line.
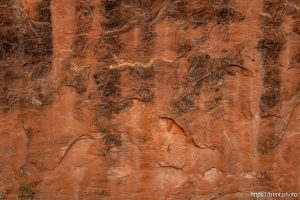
149	99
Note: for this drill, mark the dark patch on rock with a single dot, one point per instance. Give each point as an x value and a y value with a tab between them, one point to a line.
296	27
298	89
217	74
199	66
268	143
291	10
84	14
110	89
112	140
177	10
264	178
297	58
270	47
106	75
214	11
79	83
78	79
7	98
79	48
143	78
25	54
184	48
43	95
108	81
271	95
199	17
38	38
226	14
272	78
199	61
108	108
269	99
38	96
9	75
218	69
106	48
43	11
112	103
274	20
185	104
41	70
110	5
114	42
5	50
295	1
146	95
147	38
25	193
84	17
112	14
142	73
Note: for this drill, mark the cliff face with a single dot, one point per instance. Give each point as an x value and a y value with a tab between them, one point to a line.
149	99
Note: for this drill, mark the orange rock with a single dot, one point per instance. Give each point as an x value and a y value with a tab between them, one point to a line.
149	99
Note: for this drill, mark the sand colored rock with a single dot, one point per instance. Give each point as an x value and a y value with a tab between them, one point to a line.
149	99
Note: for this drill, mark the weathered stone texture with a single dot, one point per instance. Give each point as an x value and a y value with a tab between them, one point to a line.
149	99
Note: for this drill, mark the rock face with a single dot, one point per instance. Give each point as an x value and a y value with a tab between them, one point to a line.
149	99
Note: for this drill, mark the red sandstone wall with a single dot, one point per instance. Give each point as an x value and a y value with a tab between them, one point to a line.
149	99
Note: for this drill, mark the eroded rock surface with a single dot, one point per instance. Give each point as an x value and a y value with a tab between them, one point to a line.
149	99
